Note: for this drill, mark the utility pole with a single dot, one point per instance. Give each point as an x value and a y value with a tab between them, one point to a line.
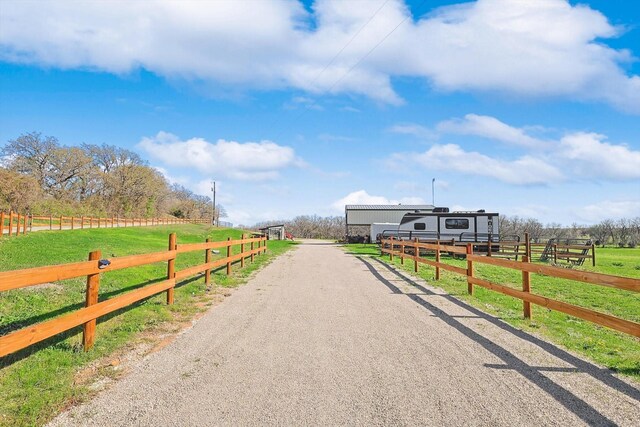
433	192
213	189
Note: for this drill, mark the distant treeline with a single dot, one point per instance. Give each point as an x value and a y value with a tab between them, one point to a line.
38	175
622	232
311	226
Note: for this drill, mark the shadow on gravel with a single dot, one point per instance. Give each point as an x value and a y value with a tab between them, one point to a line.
533	373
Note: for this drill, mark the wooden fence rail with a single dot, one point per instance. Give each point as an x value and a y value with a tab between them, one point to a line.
400	248
14	224
95	267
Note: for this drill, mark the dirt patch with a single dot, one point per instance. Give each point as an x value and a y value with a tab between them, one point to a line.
45	286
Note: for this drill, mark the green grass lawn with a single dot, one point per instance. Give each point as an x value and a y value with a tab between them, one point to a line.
36	383
615	350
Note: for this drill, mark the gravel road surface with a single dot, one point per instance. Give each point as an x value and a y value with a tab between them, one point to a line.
322	337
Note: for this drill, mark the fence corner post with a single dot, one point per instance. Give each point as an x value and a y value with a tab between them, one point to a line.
526	287
207	260
437	260
242	252
171	268
228	256
93	286
252	249
469	269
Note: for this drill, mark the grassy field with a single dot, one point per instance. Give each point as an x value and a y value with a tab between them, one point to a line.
617	351
39	381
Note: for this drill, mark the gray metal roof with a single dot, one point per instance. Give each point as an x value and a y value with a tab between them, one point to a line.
387	207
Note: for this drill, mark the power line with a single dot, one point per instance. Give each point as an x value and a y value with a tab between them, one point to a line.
307	107
326	67
348	43
374	48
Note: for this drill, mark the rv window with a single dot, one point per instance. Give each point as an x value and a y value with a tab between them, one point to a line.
419	226
456	223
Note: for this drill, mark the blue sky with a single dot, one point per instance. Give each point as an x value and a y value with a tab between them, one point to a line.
529	108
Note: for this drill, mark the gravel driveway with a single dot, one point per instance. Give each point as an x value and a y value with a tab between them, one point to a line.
321	337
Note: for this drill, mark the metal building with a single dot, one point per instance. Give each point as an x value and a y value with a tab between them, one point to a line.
365	215
274	232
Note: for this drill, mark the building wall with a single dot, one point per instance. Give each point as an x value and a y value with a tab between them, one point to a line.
367	217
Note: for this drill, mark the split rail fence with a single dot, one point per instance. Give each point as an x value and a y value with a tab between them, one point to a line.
14	224
400	247
95	266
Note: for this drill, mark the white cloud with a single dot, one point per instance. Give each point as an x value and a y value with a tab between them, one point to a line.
413	129
576	155
524	170
182	180
608	209
590	156
491	128
244	161
526	48
361	197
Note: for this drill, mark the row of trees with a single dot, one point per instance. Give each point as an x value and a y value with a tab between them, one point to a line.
311	226
623	232
41	176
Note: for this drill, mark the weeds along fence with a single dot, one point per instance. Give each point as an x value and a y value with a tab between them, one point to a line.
96	266
401	247
14	224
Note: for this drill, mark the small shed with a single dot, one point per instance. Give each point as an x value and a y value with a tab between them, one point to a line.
274	232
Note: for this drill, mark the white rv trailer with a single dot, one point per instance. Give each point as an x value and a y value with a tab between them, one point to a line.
476	226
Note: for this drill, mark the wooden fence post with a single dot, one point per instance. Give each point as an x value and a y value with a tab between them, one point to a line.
391	247
526	287
93	285
242	252
469	269
438	259
416	254
228	256
18	226
593	254
252	254
555	253
1	224
61	219
207	260
171	267
266	240
402	253
72	222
